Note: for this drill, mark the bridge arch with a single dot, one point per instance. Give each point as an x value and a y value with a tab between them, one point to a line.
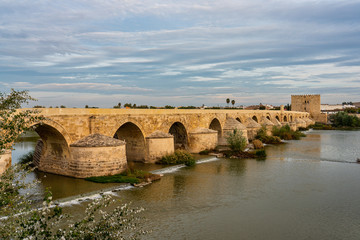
255	119
285	118
239	119
52	153
215	125
134	138
179	132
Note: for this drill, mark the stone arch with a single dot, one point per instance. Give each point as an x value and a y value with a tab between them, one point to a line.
52	153
215	125
285	118
268	117
134	139
238	119
255	119
291	118
179	132
277	117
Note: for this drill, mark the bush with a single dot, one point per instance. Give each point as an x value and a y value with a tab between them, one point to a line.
286	133
258	144
236	141
342	119
263	137
260	153
178	157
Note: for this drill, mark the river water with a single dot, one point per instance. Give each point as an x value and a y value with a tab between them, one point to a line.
307	189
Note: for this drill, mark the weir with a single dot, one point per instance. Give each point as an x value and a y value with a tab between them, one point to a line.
147	135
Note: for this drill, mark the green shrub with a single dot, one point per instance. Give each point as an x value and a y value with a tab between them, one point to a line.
342	119
178	157
236	141
286	133
260	153
263	137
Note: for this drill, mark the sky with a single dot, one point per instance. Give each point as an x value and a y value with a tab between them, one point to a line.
180	52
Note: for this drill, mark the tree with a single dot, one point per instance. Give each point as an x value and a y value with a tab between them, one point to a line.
233	102
20	218
12	121
118	105
228	101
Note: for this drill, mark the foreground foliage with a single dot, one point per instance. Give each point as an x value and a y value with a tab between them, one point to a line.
19	220
13	122
18	217
286	133
178	157
236	141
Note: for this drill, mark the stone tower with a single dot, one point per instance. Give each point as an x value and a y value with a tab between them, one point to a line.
310	104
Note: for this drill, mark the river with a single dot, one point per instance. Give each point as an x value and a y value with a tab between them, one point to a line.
307	189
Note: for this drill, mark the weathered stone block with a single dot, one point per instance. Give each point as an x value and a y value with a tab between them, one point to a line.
158	144
202	139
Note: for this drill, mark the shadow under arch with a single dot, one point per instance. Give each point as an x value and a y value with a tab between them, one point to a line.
134	139
268	117
238	119
215	125
291	118
277	117
255	119
179	132
285	119
52	153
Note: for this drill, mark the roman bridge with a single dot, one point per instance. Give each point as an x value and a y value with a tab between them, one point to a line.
69	147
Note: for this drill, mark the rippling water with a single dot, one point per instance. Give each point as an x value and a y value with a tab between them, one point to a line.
305	189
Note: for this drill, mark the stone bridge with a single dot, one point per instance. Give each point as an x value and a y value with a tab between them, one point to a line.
146	135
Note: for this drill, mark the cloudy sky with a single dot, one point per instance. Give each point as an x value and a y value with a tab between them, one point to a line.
180	52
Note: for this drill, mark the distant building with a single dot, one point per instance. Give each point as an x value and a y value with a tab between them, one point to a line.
310	104
329	108
356	104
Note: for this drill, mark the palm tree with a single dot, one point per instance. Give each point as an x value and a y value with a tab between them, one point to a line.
233	102
228	101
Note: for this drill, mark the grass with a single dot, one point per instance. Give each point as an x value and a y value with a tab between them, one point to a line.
130	176
178	157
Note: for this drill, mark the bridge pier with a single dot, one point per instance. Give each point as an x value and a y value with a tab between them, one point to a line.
5	160
202	139
158	144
